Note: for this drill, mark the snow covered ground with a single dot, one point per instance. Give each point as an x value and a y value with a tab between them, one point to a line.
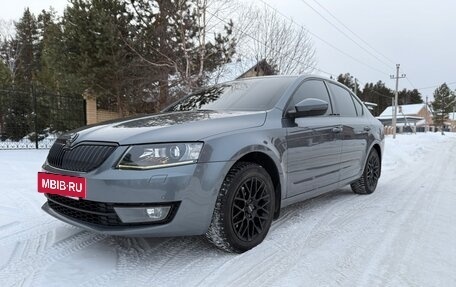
402	235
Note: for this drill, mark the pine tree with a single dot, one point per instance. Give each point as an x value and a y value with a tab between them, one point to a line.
19	117
27	63
5	74
377	93
408	97
349	81
94	36
444	100
49	35
5	80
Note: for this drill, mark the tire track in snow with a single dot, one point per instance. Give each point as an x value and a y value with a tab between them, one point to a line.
360	252
131	252
411	202
301	245
37	257
321	230
199	264
283	244
404	249
166	259
141	262
22	250
27	230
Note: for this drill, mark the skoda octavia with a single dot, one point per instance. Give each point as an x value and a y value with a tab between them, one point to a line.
222	161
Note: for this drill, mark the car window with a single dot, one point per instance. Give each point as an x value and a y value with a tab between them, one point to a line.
310	89
358	106
244	95
344	105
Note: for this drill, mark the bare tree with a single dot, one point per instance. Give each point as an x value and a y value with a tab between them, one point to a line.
9	47
263	34
7	30
212	44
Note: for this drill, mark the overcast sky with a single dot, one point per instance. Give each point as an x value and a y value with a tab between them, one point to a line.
419	35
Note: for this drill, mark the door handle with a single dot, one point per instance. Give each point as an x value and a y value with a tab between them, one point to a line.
337	129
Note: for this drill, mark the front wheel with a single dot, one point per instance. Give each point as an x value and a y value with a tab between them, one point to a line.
244	209
368	181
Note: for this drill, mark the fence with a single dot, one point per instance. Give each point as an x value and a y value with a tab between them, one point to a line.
33	118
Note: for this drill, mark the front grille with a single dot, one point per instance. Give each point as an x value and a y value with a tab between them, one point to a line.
83	157
99	213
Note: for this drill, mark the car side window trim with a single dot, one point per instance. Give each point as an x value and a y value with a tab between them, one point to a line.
357	103
330	100
332	95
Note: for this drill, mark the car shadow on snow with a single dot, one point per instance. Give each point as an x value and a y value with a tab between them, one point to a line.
198	245
192	256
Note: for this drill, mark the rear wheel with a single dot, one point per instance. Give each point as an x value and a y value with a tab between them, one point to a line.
244	209
368	182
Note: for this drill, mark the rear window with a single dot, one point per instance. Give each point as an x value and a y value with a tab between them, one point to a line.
245	95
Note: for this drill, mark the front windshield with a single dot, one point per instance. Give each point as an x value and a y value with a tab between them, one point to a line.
244	95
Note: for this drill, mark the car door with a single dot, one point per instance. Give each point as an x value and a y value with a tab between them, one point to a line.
355	130
313	143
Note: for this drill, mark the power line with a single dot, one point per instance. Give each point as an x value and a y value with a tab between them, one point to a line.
345	34
435	86
293	59
355	34
410	82
324	41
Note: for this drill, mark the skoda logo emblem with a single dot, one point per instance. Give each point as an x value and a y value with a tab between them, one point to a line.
70	140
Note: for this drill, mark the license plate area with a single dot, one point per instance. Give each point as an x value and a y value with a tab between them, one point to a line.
70	186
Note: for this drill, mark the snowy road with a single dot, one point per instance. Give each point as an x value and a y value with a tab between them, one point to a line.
402	235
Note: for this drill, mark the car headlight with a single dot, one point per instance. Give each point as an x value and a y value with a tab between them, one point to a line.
160	155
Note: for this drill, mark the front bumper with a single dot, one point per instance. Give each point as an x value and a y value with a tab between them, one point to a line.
191	190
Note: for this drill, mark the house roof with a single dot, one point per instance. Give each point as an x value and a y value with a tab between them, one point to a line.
261	65
231	71
408	110
400	117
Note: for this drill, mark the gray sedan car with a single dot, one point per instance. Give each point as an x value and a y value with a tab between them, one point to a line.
222	161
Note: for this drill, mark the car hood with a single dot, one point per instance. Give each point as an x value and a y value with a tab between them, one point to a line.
171	127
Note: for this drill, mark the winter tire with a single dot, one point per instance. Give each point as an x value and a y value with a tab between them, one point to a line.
244	209
368	181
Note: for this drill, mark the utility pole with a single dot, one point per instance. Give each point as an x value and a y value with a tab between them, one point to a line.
443	115
397	77
356	87
426	128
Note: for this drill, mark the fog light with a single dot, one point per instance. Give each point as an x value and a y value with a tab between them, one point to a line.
142	214
157	213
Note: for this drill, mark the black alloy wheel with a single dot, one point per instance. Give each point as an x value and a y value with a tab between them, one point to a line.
250	209
368	182
244	209
372	171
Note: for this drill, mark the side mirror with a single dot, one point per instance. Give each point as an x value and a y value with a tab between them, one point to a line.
309	107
